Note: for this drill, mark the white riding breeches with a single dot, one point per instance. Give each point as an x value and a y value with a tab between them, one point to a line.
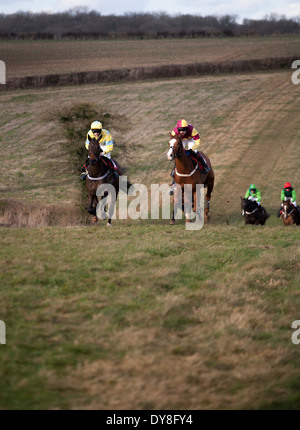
254	199
293	202
188	144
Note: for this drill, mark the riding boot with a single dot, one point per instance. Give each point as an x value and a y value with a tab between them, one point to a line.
279	212
172	174
112	175
172	186
205	168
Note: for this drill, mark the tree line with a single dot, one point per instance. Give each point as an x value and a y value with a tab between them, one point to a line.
79	23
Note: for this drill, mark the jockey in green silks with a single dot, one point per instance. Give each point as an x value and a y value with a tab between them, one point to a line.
288	193
253	193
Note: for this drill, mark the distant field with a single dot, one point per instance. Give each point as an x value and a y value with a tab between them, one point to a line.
26	58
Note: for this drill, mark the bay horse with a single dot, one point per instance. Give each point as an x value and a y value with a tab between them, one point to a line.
98	174
253	213
188	172
289	213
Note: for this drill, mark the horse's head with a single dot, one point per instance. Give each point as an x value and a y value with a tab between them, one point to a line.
287	208
176	147
248	205
94	151
243	202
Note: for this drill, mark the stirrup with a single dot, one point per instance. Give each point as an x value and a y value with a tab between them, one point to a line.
83	176
172	189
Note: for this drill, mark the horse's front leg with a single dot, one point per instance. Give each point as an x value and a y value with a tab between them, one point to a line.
206	210
91	208
172	221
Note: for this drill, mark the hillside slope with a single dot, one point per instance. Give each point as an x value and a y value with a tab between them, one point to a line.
248	125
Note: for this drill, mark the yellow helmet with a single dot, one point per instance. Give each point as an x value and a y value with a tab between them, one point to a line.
96	125
182	123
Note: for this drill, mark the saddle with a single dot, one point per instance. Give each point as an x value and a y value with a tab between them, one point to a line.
196	158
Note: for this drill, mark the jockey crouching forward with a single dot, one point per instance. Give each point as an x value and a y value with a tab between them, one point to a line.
288	193
103	137
191	142
254	194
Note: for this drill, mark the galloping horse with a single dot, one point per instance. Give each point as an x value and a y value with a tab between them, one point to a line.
98	174
186	172
289	213
253	213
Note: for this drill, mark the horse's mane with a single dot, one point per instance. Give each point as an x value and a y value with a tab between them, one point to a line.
249	204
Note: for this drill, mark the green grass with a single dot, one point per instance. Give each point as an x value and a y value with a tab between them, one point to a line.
68	297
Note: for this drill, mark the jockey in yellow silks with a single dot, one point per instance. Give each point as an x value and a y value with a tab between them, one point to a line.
103	137
191	142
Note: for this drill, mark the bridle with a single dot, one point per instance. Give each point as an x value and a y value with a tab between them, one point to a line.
94	154
285	208
177	154
252	212
95	157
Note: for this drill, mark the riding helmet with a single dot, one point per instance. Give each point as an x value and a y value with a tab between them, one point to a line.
287	185
96	125
182	123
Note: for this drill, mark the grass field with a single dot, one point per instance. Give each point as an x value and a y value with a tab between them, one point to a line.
150	317
26	58
145	315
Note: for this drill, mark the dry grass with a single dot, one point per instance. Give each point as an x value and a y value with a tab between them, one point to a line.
26	58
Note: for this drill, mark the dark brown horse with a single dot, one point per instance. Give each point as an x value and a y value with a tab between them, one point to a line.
99	173
253	213
187	171
290	213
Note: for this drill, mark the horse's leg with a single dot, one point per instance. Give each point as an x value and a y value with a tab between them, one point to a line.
172	221
210	180
188	206
91	208
111	206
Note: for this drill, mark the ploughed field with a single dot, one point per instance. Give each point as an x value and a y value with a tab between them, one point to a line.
29	58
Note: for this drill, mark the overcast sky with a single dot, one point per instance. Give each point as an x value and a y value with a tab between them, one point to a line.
253	9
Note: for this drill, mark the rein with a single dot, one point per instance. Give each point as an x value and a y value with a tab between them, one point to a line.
95	160
286	214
